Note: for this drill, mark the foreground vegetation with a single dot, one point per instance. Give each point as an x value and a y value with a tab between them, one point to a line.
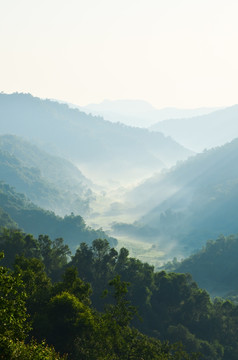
34	306
81	305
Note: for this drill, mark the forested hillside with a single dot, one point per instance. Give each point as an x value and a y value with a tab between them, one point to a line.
182	208
6	221
49	181
36	221
214	267
106	150
196	201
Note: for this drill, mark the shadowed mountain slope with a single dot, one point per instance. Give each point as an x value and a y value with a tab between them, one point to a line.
106	150
32	219
196	201
49	181
214	267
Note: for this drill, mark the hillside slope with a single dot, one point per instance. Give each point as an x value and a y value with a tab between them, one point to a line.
214	267
32	219
196	201
49	181
104	150
202	132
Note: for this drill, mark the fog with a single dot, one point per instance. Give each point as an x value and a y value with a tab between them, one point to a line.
157	197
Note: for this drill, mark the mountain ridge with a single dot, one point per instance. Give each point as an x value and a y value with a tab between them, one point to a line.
49	181
37	221
139	112
100	148
200	132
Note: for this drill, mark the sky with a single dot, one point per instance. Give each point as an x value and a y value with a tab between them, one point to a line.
171	53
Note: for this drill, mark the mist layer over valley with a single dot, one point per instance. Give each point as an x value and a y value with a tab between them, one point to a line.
156	197
104	150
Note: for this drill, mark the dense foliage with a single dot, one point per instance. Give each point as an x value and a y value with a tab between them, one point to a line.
66	307
14	321
61	313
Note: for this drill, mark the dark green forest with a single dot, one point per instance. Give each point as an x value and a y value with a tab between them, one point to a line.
100	303
36	220
47	312
214	267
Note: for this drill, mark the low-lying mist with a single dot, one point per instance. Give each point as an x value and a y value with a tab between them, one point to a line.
155	196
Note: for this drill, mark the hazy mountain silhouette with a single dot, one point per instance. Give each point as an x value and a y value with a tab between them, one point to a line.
105	150
138	112
200	132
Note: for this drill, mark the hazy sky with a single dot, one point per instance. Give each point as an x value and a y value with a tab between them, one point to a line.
181	53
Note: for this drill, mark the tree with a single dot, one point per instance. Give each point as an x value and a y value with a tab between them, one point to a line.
13	316
15	242
37	283
68	318
54	255
74	285
14	322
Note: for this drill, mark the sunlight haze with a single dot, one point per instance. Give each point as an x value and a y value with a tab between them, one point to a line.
169	53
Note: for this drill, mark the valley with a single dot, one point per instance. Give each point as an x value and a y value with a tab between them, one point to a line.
118	180
142	188
92	202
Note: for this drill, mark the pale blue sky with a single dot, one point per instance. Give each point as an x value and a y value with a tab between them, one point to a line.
181	53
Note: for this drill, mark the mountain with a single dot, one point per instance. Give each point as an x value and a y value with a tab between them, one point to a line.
139	113
32	219
103	150
202	132
49	181
196	201
214	267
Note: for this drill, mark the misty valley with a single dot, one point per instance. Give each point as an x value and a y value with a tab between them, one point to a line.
119	231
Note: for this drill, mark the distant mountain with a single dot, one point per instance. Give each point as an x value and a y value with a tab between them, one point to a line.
196	201
34	220
139	113
204	131
49	181
214	267
104	150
